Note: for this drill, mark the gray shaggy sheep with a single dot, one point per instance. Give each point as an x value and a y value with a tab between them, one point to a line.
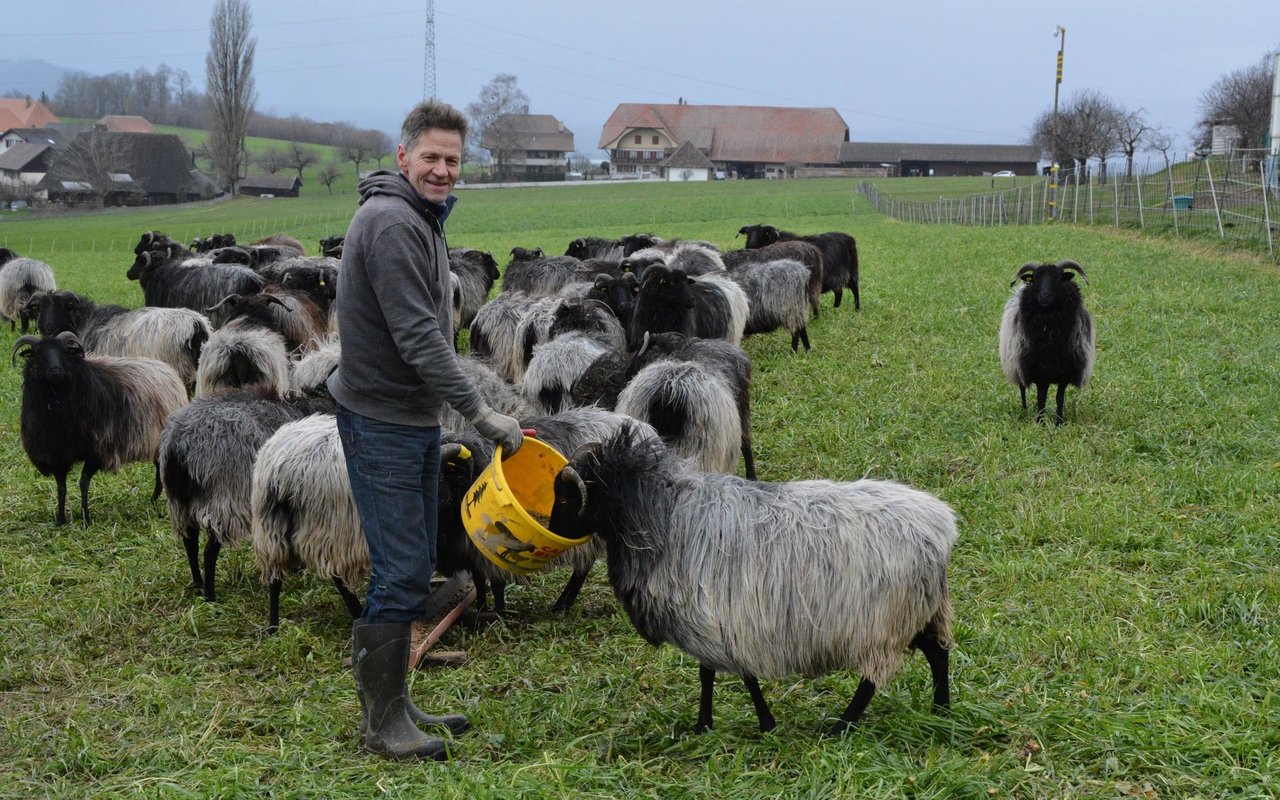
1046	333
709	306
100	410
194	285
767	580
555	366
241	355
476	271
839	256
172	335
778	292
691	407
307	374
207	452
293	315
20	279
805	253
501	396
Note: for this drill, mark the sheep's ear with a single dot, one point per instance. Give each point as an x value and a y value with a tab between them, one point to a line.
71	342
1068	267
1024	273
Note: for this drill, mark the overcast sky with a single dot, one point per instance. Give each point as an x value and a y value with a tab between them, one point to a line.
907	70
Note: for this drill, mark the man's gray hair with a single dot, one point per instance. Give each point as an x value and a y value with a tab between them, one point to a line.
431	115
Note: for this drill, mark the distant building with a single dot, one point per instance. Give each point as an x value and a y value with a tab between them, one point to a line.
529	146
25	163
687	163
270	185
126	124
24	113
896	158
99	167
1223	139
743	141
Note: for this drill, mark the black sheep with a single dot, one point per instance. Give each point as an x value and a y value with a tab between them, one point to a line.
839	256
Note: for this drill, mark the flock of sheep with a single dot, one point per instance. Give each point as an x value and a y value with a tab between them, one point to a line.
625	354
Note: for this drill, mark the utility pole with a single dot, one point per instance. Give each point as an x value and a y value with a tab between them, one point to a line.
1061	34
429	57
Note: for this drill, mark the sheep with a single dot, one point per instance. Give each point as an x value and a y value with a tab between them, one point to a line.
175	285
839	256
240	355
332	246
1046	333
585	247
604	381
805	253
494	335
555	366
6	255
645	241
172	335
206	457
307	374
778	293
550	275
526	254
709	306
20	279
164	253
293	315
618	293
103	411
691	407
767	580
501	396
476	271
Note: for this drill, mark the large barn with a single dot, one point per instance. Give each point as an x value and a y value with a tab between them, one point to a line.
742	141
898	158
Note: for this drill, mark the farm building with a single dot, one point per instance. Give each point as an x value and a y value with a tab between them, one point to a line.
24	113
529	146
25	163
687	163
743	141
126	124
270	185
895	158
99	167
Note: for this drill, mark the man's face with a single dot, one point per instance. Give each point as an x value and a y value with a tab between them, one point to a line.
434	163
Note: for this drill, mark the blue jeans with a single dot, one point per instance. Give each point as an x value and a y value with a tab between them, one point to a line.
394	471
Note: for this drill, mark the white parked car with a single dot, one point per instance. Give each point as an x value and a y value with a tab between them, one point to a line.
1005	173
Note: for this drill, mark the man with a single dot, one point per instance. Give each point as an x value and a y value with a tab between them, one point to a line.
396	371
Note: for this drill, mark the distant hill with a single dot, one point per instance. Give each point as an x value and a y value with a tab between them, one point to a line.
30	76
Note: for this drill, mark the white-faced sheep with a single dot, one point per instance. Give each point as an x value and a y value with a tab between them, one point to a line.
839	256
767	580
1046	333
20	280
206	459
100	410
172	335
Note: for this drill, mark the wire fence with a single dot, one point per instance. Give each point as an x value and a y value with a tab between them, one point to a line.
1231	199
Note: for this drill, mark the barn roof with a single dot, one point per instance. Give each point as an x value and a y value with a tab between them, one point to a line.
770	134
687	156
279	182
126	124
22	154
20	112
52	135
158	163
893	152
533	132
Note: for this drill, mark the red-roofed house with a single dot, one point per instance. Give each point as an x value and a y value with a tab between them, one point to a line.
18	112
746	141
126	124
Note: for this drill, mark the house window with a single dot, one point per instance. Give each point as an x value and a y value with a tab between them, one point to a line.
655	139
637	138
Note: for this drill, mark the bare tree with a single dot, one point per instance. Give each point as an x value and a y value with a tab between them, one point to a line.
1131	130
1241	99
328	174
91	159
1162	142
273	159
357	146
499	98
229	79
1087	125
382	145
299	157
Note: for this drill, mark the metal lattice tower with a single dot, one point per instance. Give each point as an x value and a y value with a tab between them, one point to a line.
429	57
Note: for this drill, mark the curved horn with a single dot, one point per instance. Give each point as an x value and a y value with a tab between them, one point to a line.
271	298
28	340
231	298
1072	266
1025	269
644	345
571	474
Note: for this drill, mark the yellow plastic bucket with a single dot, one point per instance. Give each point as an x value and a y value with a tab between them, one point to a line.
498	510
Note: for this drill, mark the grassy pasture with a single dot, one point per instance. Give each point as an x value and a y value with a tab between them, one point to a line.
1115	583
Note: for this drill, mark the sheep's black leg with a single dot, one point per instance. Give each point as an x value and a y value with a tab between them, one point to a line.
571	589
836	304
61	517
273	612
1023	391
1042	395
191	543
211	548
744	417
1062	396
866	690
707	677
155	493
499	597
857	301
765	716
482	590
86	476
348	597
937	656
804	338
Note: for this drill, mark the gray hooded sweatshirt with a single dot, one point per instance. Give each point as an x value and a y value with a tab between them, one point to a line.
395	321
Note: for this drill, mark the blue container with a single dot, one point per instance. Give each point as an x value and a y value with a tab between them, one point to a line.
1182	200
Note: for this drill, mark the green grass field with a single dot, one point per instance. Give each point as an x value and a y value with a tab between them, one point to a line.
1115	582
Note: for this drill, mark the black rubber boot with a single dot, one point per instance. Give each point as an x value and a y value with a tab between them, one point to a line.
379	662
456	724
